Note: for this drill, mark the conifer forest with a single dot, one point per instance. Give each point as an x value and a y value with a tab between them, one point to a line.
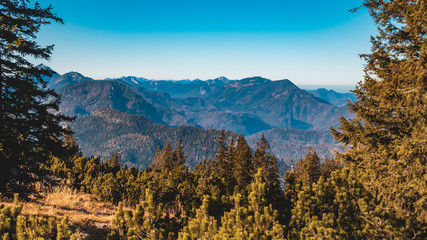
376	188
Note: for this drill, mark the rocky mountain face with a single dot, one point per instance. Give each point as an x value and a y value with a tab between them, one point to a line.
150	113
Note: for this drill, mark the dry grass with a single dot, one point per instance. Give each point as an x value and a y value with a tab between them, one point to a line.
89	217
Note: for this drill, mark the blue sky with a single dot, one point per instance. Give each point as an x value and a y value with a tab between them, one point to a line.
308	42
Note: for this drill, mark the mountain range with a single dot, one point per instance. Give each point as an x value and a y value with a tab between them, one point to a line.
158	112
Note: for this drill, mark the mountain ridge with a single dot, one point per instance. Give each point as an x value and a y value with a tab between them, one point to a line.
252	106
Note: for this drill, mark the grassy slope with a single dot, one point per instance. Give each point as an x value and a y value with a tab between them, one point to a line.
89	218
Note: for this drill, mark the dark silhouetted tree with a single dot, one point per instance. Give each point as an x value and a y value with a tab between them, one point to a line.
30	128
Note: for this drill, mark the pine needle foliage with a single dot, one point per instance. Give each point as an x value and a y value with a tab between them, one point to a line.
387	141
30	129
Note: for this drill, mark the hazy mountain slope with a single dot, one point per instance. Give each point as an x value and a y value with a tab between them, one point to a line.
278	103
241	123
81	99
60	81
199	112
183	89
339	99
156	98
136	138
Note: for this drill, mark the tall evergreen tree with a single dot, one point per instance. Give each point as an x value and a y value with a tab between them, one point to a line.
178	156
263	159
229	179
261	155
30	129
386	141
292	188
69	142
308	169
157	159
166	160
221	164
242	165
270	173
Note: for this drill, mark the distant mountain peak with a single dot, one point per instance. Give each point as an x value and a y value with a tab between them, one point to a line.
132	80
255	79
222	78
66	79
52	75
42	66
248	82
74	74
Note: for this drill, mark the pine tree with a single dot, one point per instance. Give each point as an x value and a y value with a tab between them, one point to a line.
386	141
334	208
242	165
261	155
222	166
157	159
264	160
292	188
165	160
63	233
178	156
257	220
308	170
70	143
229	180
270	174
30	129
264	220
202	226
328	166
112	165
168	158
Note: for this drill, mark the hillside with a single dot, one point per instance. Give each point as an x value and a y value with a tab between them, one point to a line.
83	98
339	99
59	81
136	138
89	218
280	104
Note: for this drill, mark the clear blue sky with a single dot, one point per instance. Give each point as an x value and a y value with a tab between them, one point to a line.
308	42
